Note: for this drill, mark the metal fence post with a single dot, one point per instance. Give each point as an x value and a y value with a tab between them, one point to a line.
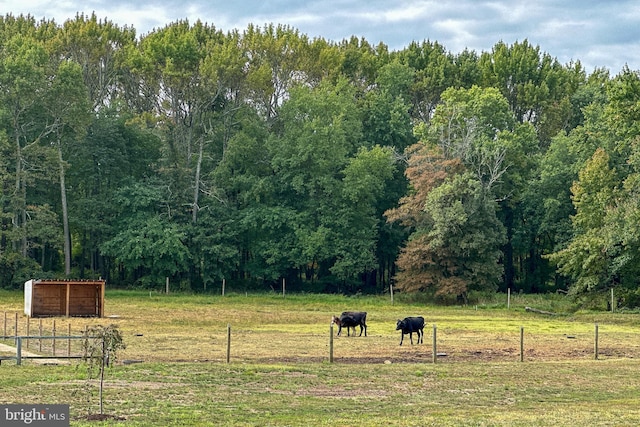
435	344
228	342
595	345
18	350
522	343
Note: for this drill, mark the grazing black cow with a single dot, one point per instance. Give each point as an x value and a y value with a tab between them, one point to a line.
351	319
410	325
348	322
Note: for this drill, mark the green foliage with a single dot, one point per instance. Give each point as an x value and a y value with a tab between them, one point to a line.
603	252
152	246
320	134
100	351
98	47
261	154
16	269
586	259
456	244
434	72
461	247
534	84
594	192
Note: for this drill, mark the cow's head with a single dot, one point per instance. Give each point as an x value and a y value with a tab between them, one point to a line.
335	320
400	325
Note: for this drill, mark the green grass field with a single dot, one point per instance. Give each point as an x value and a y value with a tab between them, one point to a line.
280	373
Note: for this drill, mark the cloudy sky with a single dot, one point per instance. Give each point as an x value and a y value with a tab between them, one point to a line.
598	33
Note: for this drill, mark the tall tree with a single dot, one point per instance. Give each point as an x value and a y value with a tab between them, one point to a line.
234	220
360	61
168	62
99	48
68	107
23	81
434	72
536	86
474	140
117	151
465	237
320	132
148	244
276	57
588	258
385	110
366	177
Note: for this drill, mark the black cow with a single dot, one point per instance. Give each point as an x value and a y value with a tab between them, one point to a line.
351	319
347	321
410	325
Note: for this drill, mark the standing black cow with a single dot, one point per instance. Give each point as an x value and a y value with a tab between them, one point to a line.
345	321
351	319
410	325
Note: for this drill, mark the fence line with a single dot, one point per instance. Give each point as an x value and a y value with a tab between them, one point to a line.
47	345
27	339
19	356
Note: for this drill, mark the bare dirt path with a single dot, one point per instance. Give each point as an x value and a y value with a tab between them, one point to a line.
52	361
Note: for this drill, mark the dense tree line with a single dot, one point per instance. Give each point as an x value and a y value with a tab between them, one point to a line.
261	155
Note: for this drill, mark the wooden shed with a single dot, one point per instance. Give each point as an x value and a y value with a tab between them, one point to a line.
84	298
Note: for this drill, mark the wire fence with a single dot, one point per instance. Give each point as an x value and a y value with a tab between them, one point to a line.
40	339
48	338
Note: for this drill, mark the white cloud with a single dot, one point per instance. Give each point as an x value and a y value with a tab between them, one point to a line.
514	12
403	14
456	31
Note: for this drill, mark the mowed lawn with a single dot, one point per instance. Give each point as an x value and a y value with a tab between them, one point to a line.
174	370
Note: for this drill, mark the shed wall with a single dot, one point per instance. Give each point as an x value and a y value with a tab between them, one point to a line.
64	298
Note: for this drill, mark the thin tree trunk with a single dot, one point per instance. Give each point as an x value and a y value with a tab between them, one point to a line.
24	218
65	215
17	204
196	193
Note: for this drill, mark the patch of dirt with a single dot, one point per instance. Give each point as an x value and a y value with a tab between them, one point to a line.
115	384
339	393
101	417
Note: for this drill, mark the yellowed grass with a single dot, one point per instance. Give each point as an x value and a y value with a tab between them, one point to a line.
279	375
271	329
